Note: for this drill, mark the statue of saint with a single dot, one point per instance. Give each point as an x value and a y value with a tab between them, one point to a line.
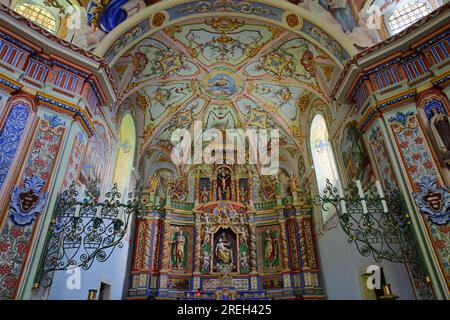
242	195
178	249
277	186
204	194
223	251
269	250
153	183
293	183
440	126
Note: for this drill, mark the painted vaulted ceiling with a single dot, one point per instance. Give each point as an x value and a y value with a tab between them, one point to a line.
226	72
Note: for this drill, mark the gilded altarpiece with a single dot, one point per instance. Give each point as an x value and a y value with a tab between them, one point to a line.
223	245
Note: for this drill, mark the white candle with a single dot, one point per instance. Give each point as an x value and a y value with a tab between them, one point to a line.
341	197
361	195
120	214
340	190
98	214
77	211
360	190
379	188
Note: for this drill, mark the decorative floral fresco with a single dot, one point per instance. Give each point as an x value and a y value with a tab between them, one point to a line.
380	153
419	164
228	72
386	172
10	137
27	202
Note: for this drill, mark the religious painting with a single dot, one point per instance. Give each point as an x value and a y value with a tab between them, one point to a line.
355	156
204	189
269	245
341	10
180	248
267	188
243	190
433	105
94	169
105	15
221	84
225	251
272	283
178	283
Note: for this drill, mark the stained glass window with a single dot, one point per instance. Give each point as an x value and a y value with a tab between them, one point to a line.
323	157
405	15
38	14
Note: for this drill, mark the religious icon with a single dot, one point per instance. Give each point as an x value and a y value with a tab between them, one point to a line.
178	249
153	184
440	126
223	184
204	194
243	195
269	250
341	10
292	183
223	251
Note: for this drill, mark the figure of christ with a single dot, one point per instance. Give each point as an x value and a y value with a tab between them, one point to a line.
224	185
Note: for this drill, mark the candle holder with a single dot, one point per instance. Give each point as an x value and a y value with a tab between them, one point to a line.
375	220
387	293
92	294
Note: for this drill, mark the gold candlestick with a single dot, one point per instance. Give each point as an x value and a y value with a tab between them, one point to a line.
92	295
388	294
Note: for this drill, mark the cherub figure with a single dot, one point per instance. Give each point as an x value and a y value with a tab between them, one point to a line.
206	258
243	259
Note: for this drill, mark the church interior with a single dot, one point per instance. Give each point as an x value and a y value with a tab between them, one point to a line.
98	99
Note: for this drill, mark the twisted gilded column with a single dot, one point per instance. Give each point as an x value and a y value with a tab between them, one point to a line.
198	243
166	248
284	246
253	266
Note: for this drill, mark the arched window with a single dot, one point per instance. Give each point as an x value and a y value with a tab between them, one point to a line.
323	157
38	14
406	14
125	153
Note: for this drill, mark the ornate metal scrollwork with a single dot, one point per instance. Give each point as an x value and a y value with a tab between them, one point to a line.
87	230
379	230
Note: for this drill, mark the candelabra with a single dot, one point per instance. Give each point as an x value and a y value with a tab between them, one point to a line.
375	220
87	229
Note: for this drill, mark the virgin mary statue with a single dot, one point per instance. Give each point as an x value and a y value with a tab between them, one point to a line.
223	251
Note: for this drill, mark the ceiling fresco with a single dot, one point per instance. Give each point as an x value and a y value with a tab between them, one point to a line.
226	72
